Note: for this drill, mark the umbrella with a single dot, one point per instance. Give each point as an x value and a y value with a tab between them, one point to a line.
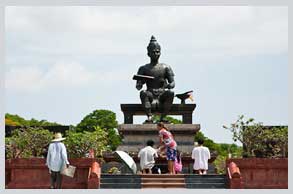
126	159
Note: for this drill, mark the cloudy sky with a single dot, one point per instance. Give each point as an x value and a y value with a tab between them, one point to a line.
64	62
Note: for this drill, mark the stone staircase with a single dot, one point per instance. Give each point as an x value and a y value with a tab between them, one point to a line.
156	181
209	181
162	181
123	181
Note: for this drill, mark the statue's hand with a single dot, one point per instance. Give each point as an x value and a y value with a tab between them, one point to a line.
170	85
138	86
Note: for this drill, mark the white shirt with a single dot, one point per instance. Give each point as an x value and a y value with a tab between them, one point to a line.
201	155
57	156
147	157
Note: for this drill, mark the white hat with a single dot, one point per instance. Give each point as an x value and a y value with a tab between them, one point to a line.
58	137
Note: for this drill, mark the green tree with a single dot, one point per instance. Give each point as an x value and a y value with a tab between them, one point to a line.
16	120
11	123
114	139
207	142
199	135
105	119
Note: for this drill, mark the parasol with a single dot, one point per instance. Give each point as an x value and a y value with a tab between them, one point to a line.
126	159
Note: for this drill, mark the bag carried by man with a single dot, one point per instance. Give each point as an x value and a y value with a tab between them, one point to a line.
68	171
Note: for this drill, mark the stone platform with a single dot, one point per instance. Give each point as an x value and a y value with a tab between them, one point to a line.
185	110
135	136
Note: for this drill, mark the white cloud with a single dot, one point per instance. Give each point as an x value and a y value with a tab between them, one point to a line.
206	31
67	74
59	75
23	78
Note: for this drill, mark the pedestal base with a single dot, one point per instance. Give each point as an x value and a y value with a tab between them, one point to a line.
135	136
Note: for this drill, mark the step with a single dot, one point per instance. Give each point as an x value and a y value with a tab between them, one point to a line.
120	180
120	186
163	180
162	176
119	175
163	185
205	180
109	178
205	175
206	185
123	181
209	181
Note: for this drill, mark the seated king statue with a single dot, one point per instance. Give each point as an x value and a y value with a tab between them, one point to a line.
158	95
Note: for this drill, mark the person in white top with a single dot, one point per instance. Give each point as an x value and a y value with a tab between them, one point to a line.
201	155
147	157
56	159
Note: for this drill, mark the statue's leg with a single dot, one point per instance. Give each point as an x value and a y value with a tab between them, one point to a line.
166	101
146	100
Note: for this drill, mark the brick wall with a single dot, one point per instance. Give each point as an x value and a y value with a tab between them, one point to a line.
263	173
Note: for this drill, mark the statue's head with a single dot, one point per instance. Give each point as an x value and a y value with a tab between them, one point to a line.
154	49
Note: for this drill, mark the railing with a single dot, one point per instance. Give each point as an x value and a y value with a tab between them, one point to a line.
234	176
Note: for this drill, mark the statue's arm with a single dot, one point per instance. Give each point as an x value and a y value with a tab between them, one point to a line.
170	78
139	83
171	83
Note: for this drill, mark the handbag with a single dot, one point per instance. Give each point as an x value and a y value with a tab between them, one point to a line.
68	171
178	165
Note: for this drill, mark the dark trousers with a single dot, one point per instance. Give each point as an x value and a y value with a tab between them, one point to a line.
56	180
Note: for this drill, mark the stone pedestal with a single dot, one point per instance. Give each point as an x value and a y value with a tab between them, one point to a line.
135	136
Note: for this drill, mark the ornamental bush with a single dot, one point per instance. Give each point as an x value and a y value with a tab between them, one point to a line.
27	142
79	144
259	140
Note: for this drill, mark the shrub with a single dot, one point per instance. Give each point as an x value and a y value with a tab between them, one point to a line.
27	142
78	144
156	119
259	140
220	164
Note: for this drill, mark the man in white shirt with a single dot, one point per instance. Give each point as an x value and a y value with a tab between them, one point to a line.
201	155
56	159
147	157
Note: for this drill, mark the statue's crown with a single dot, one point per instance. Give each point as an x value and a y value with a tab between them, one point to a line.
153	39
153	43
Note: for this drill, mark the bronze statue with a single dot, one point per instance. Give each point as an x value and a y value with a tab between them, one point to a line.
159	80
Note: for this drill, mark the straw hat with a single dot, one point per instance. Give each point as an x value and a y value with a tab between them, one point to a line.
58	137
